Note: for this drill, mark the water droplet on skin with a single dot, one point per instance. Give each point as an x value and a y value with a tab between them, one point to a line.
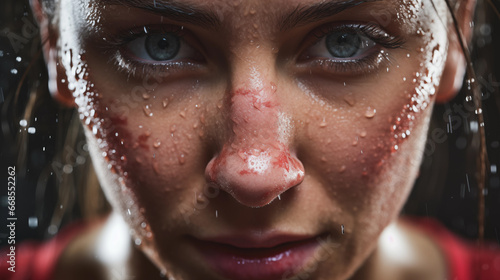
342	228
157	143
355	142
279	197
138	242
156	168
165	103
395	148
349	99
364	173
182	114
362	134
322	124
13	71
216	214
143	225
147	111
342	169
182	159
370	112
146	96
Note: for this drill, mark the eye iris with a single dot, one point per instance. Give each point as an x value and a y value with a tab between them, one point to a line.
342	44
162	46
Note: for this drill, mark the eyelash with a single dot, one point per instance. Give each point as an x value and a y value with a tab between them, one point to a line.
115	44
365	64
114	47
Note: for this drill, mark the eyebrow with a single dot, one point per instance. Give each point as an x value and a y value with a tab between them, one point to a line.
188	13
172	10
303	15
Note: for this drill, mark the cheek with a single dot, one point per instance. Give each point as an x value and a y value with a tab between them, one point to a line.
369	144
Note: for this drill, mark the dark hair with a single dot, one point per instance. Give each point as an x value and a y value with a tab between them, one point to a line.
54	171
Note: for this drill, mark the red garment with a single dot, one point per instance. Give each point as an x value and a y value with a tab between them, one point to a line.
37	261
466	261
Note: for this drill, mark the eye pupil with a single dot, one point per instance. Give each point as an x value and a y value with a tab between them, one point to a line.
162	46
342	44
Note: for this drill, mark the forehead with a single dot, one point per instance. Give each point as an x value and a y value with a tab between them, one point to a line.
219	11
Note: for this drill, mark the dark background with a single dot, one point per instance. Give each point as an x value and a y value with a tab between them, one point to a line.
446	189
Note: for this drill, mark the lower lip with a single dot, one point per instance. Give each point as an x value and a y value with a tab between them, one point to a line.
279	262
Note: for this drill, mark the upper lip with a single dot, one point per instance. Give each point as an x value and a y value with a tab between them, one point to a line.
257	240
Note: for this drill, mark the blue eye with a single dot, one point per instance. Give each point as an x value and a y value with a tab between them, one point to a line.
342	44
157	47
162	46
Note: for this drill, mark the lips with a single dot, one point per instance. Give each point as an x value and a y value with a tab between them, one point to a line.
276	257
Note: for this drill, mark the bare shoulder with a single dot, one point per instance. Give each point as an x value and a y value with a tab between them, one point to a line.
429	262
404	252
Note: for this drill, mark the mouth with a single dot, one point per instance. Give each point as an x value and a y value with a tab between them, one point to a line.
276	257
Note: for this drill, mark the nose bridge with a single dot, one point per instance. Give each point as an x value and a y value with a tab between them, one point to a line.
255	108
255	164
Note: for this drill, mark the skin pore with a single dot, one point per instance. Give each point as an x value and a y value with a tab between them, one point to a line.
253	125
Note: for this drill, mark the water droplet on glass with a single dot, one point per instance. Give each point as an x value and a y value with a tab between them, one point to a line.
370	112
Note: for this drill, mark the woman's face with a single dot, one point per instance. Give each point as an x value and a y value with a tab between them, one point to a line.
254	139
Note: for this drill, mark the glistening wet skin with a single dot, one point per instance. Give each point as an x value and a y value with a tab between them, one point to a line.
232	137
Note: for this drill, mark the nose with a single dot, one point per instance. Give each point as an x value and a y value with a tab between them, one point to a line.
255	163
